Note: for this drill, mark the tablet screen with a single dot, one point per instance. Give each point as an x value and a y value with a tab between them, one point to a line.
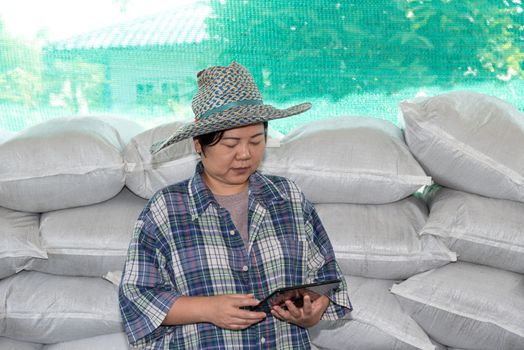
296	294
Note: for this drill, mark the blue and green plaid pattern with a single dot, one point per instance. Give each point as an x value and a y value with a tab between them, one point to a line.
184	243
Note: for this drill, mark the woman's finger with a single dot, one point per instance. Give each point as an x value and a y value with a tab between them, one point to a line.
307	308
293	309
280	313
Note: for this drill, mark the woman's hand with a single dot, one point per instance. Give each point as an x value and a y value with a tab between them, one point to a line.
306	316
225	311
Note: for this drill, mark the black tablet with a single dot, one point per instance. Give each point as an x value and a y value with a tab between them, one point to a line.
295	294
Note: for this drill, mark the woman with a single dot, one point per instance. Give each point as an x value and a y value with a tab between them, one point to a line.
208	248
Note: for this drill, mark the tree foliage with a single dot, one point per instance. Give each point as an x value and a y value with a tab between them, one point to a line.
20	71
75	84
332	48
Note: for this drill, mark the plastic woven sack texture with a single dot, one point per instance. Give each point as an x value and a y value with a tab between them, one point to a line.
377	322
47	309
383	240
467	306
61	163
348	160
469	142
90	240
480	230
19	241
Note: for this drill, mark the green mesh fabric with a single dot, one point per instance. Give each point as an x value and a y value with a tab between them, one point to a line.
346	57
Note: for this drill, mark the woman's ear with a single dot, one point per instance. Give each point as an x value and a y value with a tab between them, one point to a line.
198	147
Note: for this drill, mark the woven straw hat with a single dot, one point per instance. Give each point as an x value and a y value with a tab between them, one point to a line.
227	98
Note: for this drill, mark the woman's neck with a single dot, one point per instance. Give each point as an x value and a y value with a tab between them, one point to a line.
222	189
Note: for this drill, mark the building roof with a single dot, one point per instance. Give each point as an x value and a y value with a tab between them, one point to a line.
180	26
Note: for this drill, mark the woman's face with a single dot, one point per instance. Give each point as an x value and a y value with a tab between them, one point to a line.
229	163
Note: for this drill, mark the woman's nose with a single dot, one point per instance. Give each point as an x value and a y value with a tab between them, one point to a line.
244	152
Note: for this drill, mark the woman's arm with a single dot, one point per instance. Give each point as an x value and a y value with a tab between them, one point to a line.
224	311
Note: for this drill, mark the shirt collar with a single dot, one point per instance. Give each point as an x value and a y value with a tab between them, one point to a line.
260	186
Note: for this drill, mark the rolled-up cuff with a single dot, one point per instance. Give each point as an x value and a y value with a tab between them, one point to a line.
148	326
338	307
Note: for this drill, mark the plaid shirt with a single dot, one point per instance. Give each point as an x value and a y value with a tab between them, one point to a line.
184	243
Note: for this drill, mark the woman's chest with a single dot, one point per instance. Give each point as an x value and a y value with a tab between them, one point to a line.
210	257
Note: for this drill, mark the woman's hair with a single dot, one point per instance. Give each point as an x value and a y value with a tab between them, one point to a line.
213	138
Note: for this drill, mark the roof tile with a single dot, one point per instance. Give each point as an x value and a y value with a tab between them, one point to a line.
180	26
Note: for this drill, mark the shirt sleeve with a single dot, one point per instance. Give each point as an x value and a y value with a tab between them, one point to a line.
145	292
323	266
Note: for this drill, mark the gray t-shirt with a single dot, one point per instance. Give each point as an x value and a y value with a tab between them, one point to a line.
236	205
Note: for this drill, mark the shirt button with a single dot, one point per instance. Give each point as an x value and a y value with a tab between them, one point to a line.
232	232
262	340
245	268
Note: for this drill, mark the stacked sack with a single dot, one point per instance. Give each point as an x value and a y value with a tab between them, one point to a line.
80	201
361	176
65	221
473	147
71	190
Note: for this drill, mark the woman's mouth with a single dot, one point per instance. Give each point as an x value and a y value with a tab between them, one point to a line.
241	170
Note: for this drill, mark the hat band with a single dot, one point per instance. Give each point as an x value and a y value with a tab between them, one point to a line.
229	106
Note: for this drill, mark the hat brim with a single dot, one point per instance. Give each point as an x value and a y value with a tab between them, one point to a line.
229	119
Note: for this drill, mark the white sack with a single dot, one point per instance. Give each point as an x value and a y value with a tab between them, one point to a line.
61	163
382	240
19	241
5	135
10	344
467	306
348	160
479	229
116	341
146	174
126	127
114	277
377	322
90	240
469	142
47	309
